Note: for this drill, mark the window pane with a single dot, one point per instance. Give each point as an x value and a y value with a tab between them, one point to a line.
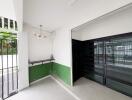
16	26
5	23
11	24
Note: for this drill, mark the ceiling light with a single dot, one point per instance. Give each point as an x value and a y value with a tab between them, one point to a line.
40	35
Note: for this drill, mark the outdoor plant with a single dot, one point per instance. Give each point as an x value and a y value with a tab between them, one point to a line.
8	43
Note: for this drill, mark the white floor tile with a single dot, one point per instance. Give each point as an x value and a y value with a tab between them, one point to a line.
46	89
84	89
89	90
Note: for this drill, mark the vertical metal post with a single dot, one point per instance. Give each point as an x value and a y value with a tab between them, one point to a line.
118	53
2	69
113	53
16	65
7	71
104	47
12	68
124	44
98	51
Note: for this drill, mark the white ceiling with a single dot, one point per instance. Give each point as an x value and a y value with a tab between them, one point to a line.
54	14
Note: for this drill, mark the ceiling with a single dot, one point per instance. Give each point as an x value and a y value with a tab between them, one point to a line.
54	14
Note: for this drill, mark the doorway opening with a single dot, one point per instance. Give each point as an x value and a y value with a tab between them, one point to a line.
107	61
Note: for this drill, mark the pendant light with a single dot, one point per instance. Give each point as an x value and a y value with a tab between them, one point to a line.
40	35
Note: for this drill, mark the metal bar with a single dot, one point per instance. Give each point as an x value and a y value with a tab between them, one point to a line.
104	61
113	52
3	48
7	72
40	61
98	51
16	65
8	67
12	69
2	69
124	51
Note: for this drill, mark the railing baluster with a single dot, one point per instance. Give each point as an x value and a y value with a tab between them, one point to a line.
12	68
2	69
16	65
7	71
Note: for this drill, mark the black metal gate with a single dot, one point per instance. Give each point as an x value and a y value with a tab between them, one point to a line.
113	63
8	65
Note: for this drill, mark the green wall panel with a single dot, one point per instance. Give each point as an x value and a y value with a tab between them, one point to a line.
39	71
63	72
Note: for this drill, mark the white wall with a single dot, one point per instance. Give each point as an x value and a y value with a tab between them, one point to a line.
22	46
23	60
28	46
116	23
38	49
13	9
7	9
62	47
18	6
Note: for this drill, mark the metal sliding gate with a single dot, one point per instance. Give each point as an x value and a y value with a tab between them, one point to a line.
113	63
8	65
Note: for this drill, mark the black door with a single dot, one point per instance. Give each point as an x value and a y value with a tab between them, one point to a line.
76	57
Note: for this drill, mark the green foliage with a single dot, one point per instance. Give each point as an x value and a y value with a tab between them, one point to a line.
7	35
8	43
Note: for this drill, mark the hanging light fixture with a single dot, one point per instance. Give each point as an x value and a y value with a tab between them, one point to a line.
40	35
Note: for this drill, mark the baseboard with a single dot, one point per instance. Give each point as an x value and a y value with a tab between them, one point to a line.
39	80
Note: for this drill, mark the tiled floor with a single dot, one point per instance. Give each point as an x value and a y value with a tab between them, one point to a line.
89	90
84	89
46	89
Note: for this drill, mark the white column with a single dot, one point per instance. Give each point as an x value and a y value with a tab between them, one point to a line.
23	60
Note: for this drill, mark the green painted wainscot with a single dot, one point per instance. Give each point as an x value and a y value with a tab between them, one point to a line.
39	71
63	72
